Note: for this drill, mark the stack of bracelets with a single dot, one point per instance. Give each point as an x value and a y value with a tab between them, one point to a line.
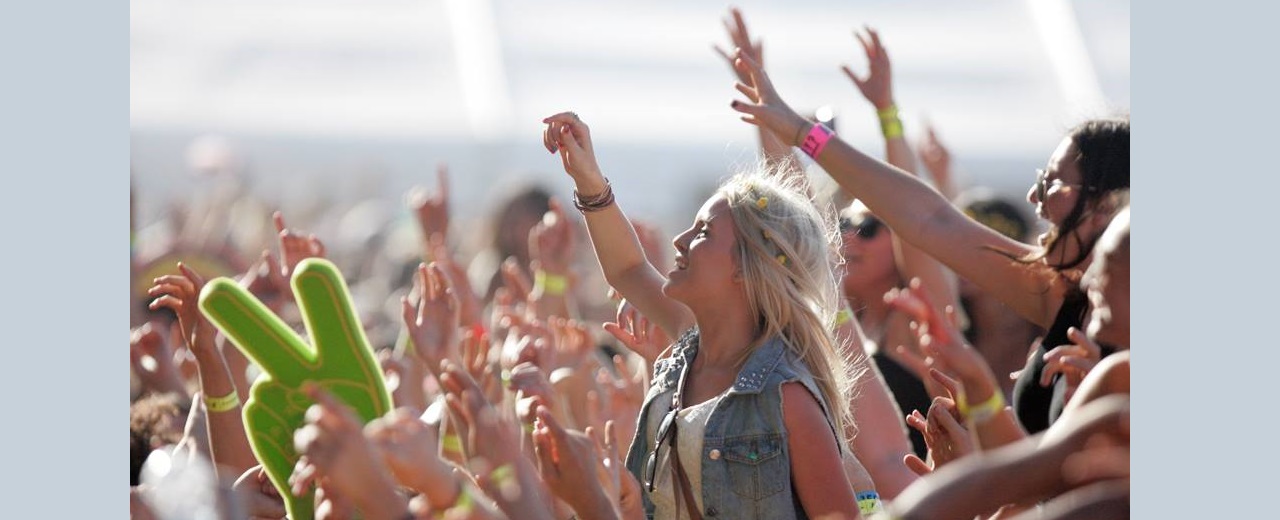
595	202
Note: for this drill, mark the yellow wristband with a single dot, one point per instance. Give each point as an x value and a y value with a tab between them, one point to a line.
552	284
451	443
890	124
843	316
983	411
222	404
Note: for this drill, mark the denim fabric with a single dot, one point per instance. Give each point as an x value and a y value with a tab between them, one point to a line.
750	474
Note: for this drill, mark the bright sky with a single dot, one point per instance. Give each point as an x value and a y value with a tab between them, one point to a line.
1000	79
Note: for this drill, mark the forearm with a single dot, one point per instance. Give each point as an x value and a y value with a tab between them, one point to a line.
935	278
228	444
777	154
979	484
998	430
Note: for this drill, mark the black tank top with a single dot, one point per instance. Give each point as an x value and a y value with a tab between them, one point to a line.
1037	406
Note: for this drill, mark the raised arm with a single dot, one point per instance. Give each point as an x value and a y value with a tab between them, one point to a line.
877	88
776	152
228	444
617	247
916	212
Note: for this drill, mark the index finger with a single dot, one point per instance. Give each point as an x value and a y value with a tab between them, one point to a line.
278	218
442	181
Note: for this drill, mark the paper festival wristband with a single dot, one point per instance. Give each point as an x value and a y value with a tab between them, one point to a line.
983	411
550	284
339	360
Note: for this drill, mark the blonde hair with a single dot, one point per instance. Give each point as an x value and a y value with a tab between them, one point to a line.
786	250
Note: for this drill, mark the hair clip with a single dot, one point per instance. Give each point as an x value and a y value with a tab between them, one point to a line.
762	202
767	236
782	259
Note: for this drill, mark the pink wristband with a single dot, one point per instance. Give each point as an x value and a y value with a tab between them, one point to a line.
816	140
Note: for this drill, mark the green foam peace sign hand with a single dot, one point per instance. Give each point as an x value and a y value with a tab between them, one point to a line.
340	362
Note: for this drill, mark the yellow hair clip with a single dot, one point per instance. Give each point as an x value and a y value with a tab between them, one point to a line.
782	259
762	202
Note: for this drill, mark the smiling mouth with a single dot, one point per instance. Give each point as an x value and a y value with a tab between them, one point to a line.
680	263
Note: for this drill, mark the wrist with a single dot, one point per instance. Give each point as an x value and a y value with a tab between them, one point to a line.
550	282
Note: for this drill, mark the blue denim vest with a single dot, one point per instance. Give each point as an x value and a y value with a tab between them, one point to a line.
749	473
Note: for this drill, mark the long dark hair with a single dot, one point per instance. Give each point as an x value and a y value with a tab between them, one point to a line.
1102	148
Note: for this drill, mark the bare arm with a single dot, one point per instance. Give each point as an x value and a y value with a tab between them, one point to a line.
777	153
877	88
617	248
816	468
916	212
878	445
228	444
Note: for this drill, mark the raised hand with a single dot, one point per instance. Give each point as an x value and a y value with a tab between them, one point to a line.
567	134
340	362
741	39
570	463
1072	361
179	293
935	156
637	333
335	449
940	340
411	449
469	304
764	106
265	280
433	321
877	86
551	240
432	209
294	248
943	429
152	360
403	375
258	497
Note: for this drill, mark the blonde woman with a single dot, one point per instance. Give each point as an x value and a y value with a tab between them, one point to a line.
737	422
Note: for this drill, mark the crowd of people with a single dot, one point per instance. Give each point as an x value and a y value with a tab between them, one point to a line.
901	348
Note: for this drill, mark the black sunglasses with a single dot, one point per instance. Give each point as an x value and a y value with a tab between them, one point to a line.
666	432
867	228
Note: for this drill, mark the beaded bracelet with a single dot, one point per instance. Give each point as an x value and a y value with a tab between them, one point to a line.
595	202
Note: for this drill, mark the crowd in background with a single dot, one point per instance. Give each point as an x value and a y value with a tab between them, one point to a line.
896	346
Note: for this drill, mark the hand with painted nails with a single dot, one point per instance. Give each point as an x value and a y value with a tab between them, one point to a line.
568	135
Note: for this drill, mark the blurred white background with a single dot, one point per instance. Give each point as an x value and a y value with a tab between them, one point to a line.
359	98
